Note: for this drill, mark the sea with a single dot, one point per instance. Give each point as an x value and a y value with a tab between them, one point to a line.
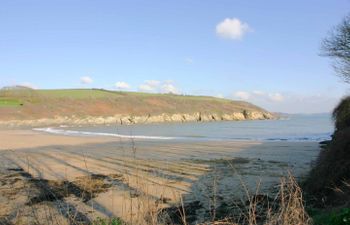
291	127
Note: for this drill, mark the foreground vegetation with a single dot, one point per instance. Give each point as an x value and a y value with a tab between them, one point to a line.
286	206
328	185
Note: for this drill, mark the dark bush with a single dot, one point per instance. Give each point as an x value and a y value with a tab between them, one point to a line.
341	114
330	177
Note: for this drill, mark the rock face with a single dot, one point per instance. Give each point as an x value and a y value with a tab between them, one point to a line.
129	119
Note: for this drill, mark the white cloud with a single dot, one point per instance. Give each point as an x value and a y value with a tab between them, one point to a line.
169	88
296	103
150	86
277	97
86	80
122	85
242	95
220	96
146	88
153	83
289	102
159	86
259	95
232	28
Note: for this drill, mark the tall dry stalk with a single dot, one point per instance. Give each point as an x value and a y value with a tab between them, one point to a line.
291	208
287	208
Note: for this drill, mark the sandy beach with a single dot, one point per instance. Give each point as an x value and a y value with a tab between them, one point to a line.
129	179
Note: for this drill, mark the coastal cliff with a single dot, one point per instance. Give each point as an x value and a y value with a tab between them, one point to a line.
101	107
128	120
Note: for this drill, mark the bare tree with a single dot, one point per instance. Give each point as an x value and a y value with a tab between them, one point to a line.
337	46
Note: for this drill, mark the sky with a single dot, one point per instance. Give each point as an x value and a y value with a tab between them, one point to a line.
264	52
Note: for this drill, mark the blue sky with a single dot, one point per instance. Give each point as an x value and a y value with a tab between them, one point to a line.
265	52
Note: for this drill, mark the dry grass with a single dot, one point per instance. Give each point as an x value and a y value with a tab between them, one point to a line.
291	205
287	208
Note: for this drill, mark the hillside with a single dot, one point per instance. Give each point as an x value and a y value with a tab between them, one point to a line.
97	106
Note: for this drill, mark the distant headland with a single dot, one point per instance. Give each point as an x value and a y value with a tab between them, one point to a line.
21	106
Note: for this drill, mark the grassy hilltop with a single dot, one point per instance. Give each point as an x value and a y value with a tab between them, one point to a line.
24	103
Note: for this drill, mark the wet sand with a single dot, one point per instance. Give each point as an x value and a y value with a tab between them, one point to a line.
137	177
25	139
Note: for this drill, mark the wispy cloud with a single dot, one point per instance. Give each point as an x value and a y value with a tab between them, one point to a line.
149	86
169	88
242	95
189	60
255	95
159	86
276	97
86	80
121	85
220	96
145	88
232	28
289	102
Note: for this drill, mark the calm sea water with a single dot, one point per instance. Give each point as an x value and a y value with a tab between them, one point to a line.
316	127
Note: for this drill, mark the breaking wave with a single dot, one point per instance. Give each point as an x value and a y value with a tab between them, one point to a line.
87	133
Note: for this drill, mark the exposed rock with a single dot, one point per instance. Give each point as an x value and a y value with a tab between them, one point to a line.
226	117
178	118
130	119
237	116
206	117
214	117
166	118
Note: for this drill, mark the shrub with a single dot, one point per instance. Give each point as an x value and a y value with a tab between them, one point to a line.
332	168
339	217
341	114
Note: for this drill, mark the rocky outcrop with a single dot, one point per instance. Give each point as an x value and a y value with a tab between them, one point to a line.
127	119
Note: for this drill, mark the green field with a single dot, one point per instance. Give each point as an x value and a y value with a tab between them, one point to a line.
101	93
77	93
93	93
